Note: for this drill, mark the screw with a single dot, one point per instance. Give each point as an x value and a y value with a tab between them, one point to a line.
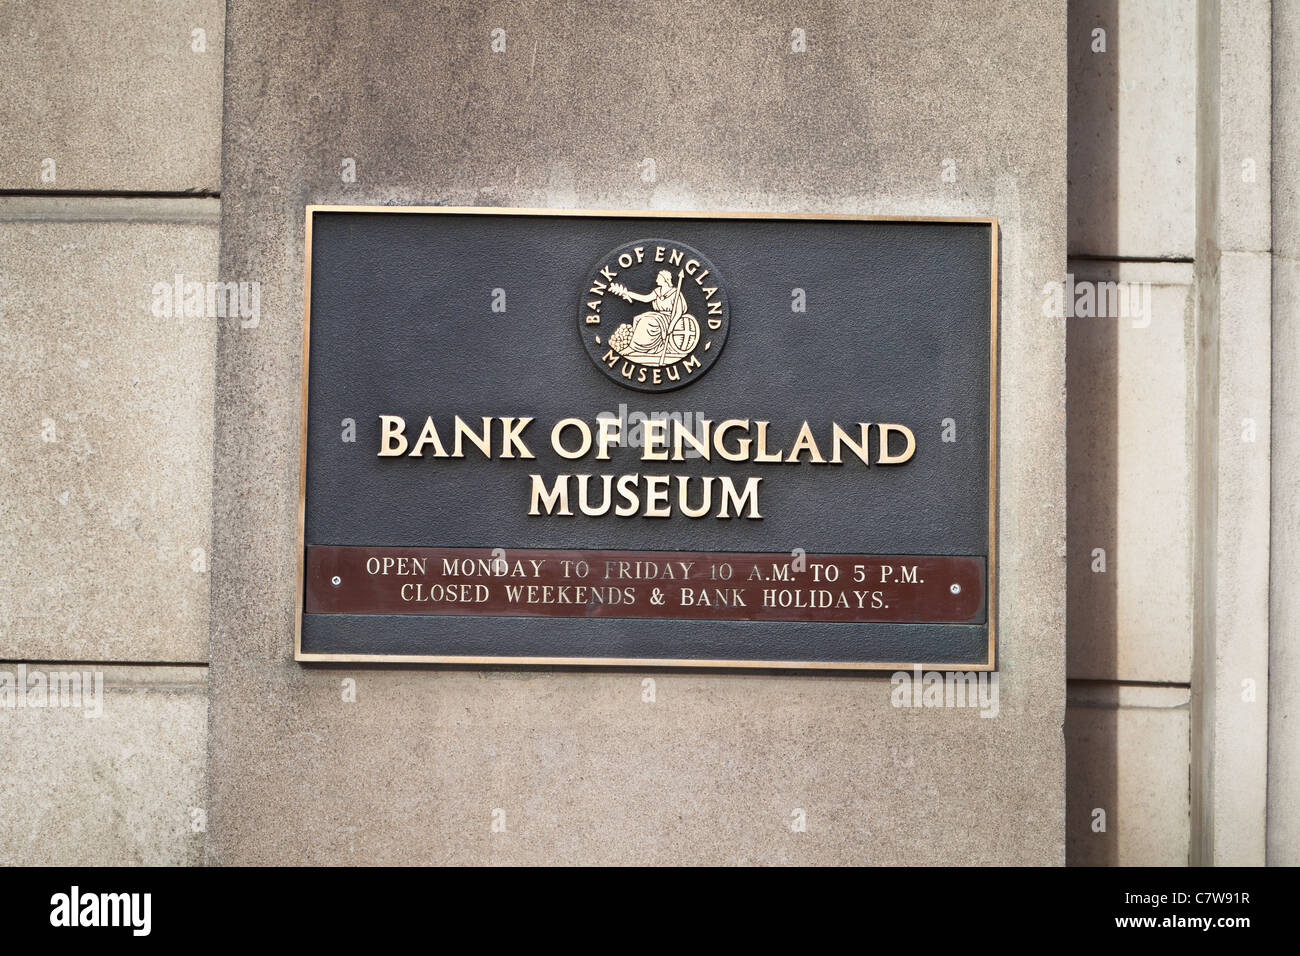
336	581
955	589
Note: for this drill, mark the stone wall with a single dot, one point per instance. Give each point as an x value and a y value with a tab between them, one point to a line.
110	133
567	115
148	474
1132	424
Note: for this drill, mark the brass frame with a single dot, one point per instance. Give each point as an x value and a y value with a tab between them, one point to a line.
991	585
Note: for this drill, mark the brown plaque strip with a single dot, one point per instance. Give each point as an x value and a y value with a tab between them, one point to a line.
684	585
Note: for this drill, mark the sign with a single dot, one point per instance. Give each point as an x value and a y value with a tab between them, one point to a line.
687	439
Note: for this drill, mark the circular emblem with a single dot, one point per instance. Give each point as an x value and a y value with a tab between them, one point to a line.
654	315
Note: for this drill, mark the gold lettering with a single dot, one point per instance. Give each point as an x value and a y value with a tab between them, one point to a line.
761	454
656	496
683	500
885	458
584	501
577	423
482	442
655	448
804	442
511	429
683	434
558	495
391	427
840	437
428	435
609	431
742	452
627	488
750	495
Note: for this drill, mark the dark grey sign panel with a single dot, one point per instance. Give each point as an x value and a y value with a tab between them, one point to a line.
536	436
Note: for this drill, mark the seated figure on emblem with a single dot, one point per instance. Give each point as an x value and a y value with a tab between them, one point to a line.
665	334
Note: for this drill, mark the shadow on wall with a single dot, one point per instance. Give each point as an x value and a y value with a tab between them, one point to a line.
1092	380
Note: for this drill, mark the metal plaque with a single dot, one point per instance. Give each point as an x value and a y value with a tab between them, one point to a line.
662	439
